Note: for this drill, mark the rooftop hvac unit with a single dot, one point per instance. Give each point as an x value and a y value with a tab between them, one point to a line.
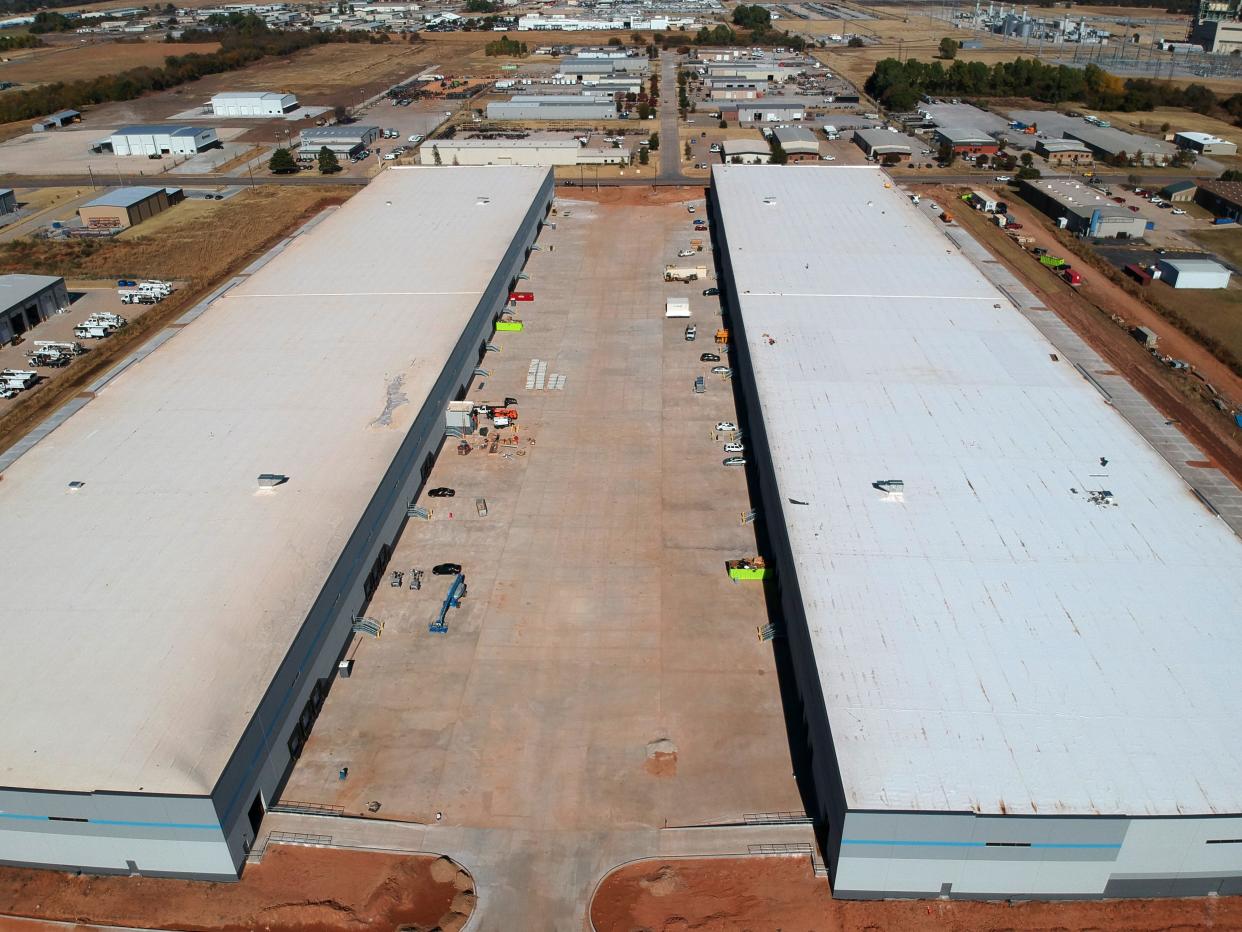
269	480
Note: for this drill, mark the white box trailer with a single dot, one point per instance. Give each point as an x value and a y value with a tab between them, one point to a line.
677	307
673	273
19	379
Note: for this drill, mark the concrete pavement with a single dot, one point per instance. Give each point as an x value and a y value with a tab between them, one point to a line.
670	140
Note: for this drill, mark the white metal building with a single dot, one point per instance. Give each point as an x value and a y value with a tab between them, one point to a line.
28	300
160	700
1205	143
1013	626
546	152
162	139
252	103
1193	273
553	107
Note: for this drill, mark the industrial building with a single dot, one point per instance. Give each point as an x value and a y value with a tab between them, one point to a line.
1082	209
1062	152
253	103
1223	198
1193	273
1179	191
56	120
965	141
553	107
226	517
734	89
1012	626
533	152
122	208
162	139
605	66
8	201
25	302
746	151
799	142
1205	144
879	143
346	139
1110	144
766	109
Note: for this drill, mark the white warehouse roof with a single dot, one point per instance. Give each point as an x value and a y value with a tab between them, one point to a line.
149	609
1000	640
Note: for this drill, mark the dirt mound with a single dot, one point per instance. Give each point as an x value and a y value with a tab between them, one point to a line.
661	758
293	890
769	894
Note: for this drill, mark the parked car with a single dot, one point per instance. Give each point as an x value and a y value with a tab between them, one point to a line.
721	370
691	332
726	426
734	447
709	357
830	158
417	137
442	492
446	569
125	283
685	252
690	208
1119	200
733	461
716	147
1001	179
1178	212
1133	208
1013	225
1160	251
710	292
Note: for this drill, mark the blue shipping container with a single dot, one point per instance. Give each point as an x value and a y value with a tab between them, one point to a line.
1237	419
1220	220
1151	224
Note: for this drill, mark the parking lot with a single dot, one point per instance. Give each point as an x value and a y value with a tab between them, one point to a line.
87	299
603	674
68	151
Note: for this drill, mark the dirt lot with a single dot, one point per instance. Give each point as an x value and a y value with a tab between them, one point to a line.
770	894
70	62
1150	121
203	250
1088	312
294	889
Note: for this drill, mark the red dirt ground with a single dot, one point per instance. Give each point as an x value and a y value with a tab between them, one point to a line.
293	890
782	894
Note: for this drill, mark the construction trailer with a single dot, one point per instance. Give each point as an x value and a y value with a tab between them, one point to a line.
1026	609
150	734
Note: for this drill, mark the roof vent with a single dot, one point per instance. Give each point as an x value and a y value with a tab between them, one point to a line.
893	489
483	201
769	200
269	480
76	484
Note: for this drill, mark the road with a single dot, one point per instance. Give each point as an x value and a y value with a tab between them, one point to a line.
670	139
180	181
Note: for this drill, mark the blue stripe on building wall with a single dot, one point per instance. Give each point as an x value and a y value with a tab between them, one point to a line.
964	844
127	822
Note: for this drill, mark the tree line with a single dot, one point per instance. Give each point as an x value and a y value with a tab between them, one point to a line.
241	44
899	85
20	40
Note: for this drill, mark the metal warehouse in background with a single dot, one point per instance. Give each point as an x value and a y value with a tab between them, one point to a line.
1012	626
225	516
1082	209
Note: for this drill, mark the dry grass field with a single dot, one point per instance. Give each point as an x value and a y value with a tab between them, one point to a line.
1150	121
74	62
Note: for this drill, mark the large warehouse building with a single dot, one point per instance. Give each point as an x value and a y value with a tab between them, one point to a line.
553	107
1082	209
225	510
1012	624
121	208
162	139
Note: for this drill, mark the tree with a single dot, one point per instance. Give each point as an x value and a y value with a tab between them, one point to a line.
340	113
948	48
1027	172
724	124
945	154
636	38
1026	159
644	111
891	158
281	163
654	142
778	155
435	155
752	17
643	157
981	160
615	42
328	165
689	151
855	42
